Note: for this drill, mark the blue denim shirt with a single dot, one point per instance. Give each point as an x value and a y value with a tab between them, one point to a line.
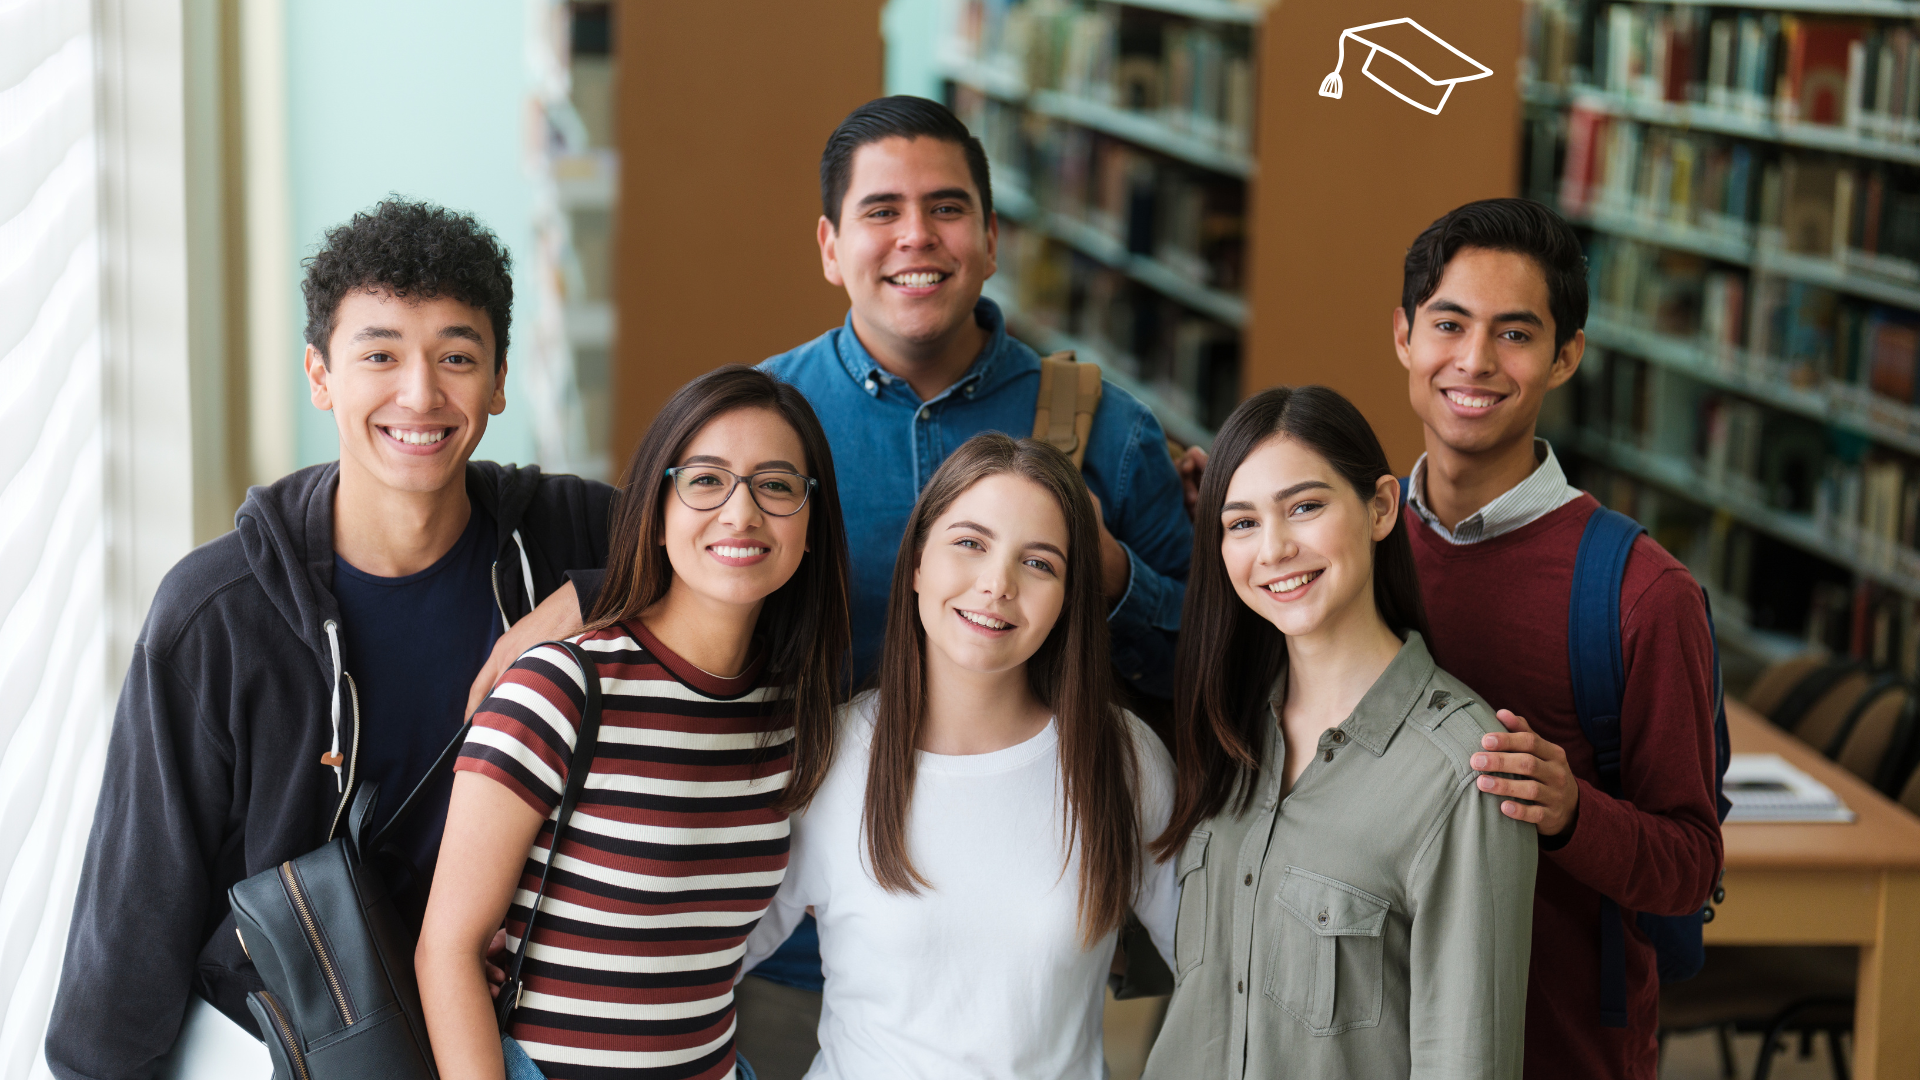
887	443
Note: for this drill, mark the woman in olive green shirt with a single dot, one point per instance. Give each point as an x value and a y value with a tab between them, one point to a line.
1352	905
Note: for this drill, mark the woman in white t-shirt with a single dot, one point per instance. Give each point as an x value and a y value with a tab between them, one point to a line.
981	837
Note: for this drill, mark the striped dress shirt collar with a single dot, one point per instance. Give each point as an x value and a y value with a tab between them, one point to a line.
1541	493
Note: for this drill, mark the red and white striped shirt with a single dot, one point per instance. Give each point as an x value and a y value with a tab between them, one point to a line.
670	858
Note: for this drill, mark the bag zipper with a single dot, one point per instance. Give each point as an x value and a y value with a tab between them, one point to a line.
284	1029
353	759
291	880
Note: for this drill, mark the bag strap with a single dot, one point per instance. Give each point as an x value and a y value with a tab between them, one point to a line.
1599	683
1593	636
1069	396
585	742
416	797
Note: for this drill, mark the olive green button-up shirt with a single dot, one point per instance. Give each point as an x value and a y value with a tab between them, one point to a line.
1373	923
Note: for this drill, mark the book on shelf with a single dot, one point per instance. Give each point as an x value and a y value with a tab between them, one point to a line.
1194	75
1129	200
1191	361
1858	74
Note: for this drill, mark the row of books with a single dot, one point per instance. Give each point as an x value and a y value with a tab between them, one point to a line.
1190	220
1867	622
1191	361
1805	334
1859	74
1864	215
1705	181
1863	502
1833	500
1196	76
1761	583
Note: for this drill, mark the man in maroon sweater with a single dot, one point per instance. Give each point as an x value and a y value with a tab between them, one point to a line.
1494	299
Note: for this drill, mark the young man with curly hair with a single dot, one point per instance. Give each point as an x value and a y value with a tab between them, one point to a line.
325	644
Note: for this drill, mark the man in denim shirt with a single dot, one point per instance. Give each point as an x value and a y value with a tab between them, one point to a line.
923	363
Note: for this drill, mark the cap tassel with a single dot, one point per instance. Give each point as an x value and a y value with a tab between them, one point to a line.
1330	87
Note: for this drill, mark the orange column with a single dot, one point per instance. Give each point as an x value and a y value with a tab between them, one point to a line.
1345	185
723	108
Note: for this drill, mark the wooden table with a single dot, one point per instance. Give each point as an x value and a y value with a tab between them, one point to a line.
1831	884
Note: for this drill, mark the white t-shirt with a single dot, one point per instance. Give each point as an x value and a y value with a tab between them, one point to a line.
983	974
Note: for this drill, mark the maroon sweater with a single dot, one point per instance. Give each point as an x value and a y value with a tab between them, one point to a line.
1499	615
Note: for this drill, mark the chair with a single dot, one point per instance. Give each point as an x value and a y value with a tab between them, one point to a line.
1874	741
1774	990
1816	711
1779	679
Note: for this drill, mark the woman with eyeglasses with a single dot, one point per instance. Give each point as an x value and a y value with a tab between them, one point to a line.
719	637
981	839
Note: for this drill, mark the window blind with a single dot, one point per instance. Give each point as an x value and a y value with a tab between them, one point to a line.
54	706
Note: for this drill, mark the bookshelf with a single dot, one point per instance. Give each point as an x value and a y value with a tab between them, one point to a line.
1748	180
1121	141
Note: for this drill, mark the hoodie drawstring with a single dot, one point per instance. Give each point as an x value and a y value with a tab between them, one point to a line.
332	757
526	568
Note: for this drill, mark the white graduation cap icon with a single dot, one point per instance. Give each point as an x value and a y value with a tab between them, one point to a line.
1414	46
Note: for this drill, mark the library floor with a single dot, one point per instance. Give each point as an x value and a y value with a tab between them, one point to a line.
1693	1057
1130	1026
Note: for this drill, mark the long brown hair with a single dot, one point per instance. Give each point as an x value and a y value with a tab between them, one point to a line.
1069	673
1229	658
804	623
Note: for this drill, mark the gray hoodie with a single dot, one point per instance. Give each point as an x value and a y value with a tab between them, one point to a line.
213	772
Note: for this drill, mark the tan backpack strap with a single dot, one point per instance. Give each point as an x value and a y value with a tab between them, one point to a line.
1069	396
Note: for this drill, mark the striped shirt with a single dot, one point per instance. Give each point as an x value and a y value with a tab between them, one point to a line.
670	858
1543	491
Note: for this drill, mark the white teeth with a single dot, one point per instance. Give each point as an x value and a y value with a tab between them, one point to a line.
982	620
1292	583
917	281
1470	402
738	552
418	438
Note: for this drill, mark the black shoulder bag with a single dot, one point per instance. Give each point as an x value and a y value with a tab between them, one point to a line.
324	932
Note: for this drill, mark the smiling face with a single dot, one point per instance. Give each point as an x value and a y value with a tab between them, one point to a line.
410	384
913	246
737	554
1479	352
992	577
1298	541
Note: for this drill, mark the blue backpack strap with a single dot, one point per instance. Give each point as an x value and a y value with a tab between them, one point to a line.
1599	684
1593	636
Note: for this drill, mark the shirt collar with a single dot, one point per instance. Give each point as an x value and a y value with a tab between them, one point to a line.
1388	703
1542	492
1001	359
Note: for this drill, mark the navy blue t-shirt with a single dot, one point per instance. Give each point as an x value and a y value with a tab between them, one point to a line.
414	645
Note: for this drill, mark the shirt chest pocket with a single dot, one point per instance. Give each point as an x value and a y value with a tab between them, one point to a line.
1190	930
1325	965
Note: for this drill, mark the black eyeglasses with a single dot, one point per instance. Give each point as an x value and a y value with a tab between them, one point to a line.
708	487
